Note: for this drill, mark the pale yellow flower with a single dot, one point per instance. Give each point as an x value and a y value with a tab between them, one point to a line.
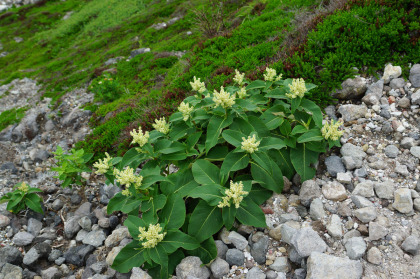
186	110
241	93
197	85
250	144
223	99
152	235
236	193
331	130
297	88
271	75
239	78
127	177
126	192
139	138
161	125
103	165
23	187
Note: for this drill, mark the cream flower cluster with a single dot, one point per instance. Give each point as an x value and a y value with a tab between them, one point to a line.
197	85
250	144
223	99
297	88
152	235
331	130
239	78
161	125
127	177
126	192
271	75
186	110
241	93
139	138
23	187
103	165
236	193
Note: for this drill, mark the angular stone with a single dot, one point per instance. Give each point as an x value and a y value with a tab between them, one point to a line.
259	250
355	247
374	93
351	89
361	202
4	221
317	211
397	83
411	245
306	241
334	191
309	191
374	256
334	227
34	226
235	257
51	273
391	72
415	151
95	238
385	190
415	75
377	231
352	150
238	240
365	214
138	273
364	189
280	265
117	235
77	255
402	200
344	178
71	226
326	266
352	112
255	273
219	268
287	233
334	165
10	254
192	266
391	151
111	255
23	238
38	251
221	249
352	163
10	271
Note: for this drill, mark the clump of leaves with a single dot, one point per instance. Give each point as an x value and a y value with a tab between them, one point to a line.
106	88
23	197
70	166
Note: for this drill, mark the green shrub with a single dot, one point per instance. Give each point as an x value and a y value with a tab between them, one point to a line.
11	116
106	88
21	198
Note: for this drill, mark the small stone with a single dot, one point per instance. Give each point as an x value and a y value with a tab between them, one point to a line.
365	214
77	255
280	265
374	256
85	223
138	273
352	112
255	273
287	232
404	102
275	233
55	254
51	273
411	245
34	226
38	251
385	190
327	266
360	173
111	255
397	83
259	250
374	93
416	204
309	191
317	211
355	247
235	257
415	151
391	72
306	241
344	178
11	271
352	88
221	249
23	238
364	189
403	201
334	227
238	240
57	204
377	231
391	151
350	235
4	221
334	165
95	238
415	76
334	191
219	268
273	275
117	235
10	254
352	163
104	223
71	226
192	266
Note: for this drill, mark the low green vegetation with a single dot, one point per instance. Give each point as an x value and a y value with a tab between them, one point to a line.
12	116
23	197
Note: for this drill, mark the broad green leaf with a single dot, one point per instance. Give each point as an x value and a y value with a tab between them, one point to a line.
130	157
317	146
277	93
228	214
205	172
259	126
312	108
245	104
205	221
132	255
282	158
218	153
211	193
233	137
215	127
154	204
206	252
173	213
122	203
302	159
311	135
259	194
271	143
262	159
193	139
176	239
178	156
133	223
272	121
249	213
266	178
179	131
14	200
299	129
159	256
33	201
295	102
285	128
177	116
165	146
234	161
242	126
256	84
33	190
180	183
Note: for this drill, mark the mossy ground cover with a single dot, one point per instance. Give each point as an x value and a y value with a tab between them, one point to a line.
71	53
11	116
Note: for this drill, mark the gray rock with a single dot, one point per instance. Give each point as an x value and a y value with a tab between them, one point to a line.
238	240
415	151
294	256
136	52
34	226
374	93
345	178
309	191
334	227
306	241
385	190
57	204
330	111
364	189
77	255
365	214
351	89
259	250
317	211
221	249
361	202
351	234
352	112
235	257
411	245
71	226
273	275
397	83
287	233
55	254
360	173
377	231
81	235
255	273
51	273
23	239
415	98
95	238
192	266
355	247
117	235
374	256
99	267
138	273
9	166
219	268
415	75
352	150
407	142
404	102
10	254
416	204
391	72
334	165
334	191
288	217
280	265
10	271
4	221
327	266
85	223
300	273
402	200
391	151
39	155
38	251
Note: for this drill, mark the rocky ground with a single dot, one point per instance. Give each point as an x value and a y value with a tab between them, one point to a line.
359	218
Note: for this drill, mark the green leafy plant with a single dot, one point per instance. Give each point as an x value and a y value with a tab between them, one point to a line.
23	197
217	159
106	88
71	166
